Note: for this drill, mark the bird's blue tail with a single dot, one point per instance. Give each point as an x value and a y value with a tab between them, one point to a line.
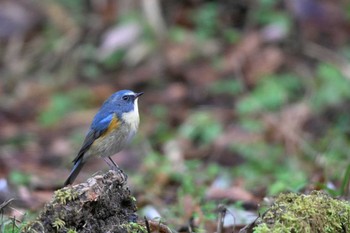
75	171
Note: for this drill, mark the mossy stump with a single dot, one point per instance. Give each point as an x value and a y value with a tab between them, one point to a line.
295	213
102	204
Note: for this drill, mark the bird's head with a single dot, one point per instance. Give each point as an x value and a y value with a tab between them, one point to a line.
125	104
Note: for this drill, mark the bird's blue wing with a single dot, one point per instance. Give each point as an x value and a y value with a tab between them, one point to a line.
102	121
98	127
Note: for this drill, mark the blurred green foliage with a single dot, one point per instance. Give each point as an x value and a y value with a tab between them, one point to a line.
162	131
76	8
19	178
267	166
90	69
251	124
177	34
266	13
226	86
332	87
201	127
191	181
63	103
271	93
9	226
206	20
232	35
115	59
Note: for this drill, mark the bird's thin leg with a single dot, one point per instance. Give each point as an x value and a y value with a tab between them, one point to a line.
112	165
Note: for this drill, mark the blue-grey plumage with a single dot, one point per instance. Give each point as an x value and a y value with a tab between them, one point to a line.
112	128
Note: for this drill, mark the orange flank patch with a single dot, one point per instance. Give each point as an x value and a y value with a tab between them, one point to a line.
112	126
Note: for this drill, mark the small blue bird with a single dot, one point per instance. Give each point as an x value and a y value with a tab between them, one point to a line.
112	128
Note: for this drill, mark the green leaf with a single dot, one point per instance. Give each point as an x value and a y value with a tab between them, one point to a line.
332	87
19	178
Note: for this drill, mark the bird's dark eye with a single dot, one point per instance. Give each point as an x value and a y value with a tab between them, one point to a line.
126	97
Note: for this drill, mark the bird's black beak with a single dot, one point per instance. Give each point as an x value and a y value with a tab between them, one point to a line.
138	94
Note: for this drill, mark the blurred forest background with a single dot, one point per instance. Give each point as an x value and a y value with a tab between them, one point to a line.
244	99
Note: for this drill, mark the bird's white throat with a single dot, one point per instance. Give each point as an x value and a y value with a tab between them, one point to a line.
132	118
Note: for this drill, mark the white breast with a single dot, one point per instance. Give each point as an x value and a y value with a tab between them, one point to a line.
132	118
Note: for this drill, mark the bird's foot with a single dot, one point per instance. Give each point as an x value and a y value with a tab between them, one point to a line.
123	175
114	167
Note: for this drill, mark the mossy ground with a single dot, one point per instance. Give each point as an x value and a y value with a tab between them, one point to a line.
316	212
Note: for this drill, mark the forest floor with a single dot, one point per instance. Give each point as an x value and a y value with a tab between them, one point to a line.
243	100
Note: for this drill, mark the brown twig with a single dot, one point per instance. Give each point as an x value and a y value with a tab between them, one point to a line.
147	225
220	224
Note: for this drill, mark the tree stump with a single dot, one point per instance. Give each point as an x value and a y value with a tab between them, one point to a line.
102	204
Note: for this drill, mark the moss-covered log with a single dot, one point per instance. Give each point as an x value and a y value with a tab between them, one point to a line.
102	204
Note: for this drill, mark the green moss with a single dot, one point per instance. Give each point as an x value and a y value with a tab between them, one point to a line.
316	212
64	195
264	228
133	198
58	223
134	228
